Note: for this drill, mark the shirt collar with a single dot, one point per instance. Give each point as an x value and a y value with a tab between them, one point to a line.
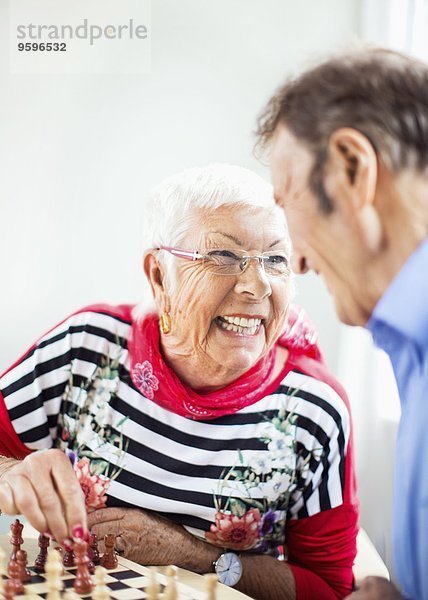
404	305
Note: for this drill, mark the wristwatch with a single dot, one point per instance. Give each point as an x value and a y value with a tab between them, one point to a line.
228	567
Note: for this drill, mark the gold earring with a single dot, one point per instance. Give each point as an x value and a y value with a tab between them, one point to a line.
165	323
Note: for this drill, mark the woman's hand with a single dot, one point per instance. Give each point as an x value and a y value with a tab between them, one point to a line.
149	539
376	588
44	489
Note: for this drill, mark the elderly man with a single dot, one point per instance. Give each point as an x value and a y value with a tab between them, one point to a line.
349	155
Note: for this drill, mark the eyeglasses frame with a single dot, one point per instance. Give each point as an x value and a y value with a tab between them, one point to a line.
196	255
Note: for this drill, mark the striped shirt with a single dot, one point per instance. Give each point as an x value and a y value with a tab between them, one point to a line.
281	459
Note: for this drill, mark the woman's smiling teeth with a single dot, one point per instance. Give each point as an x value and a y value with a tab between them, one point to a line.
239	324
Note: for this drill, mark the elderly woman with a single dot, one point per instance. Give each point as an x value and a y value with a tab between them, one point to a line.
207	433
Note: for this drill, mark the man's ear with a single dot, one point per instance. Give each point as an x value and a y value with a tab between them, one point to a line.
156	277
351	169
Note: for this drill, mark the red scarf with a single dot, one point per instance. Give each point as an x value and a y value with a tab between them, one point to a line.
158	382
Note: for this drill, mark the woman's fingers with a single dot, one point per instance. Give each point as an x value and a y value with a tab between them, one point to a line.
7	501
26	501
59	494
72	497
44	488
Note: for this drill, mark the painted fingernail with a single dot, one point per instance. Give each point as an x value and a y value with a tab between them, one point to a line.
68	544
78	532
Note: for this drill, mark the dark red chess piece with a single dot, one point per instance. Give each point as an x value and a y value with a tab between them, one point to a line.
91	565
68	558
16	537
39	563
109	558
23	573
9	589
83	582
93	553
13	571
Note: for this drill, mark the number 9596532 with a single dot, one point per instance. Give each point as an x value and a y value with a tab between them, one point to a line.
42	47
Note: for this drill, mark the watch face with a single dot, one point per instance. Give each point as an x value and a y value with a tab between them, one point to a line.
229	568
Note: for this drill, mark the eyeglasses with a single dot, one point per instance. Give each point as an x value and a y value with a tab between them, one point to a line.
234	262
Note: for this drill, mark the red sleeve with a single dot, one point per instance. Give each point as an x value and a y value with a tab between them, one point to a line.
322	547
321	552
10	444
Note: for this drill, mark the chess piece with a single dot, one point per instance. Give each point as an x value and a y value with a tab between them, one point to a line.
91	566
152	590
13	569
83	582
2	571
89	554
68	559
59	551
39	563
211	585
53	571
101	591
170	592
93	553
109	558
24	574
16	537
9	589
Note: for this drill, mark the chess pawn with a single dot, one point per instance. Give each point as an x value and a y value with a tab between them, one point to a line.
60	552
9	589
14	575
83	582
91	566
109	558
24	573
53	572
101	591
211	585
16	537
68	559
39	563
170	592
93	553
152	590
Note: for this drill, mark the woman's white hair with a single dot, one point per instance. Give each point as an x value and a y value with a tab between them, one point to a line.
173	206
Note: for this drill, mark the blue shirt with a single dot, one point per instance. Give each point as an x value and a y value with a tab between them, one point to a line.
399	326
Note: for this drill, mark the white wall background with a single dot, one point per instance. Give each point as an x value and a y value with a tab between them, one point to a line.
79	153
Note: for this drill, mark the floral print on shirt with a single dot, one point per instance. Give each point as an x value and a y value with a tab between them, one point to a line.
87	430
253	496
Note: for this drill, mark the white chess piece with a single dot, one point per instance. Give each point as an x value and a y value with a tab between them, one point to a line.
53	573
211	585
101	591
170	592
152	589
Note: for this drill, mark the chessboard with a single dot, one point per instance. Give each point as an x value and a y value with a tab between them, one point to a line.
128	581
125	580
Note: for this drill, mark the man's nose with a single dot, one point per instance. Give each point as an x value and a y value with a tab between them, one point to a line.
299	264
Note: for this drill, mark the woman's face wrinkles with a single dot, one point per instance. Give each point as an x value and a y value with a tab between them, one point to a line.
199	300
